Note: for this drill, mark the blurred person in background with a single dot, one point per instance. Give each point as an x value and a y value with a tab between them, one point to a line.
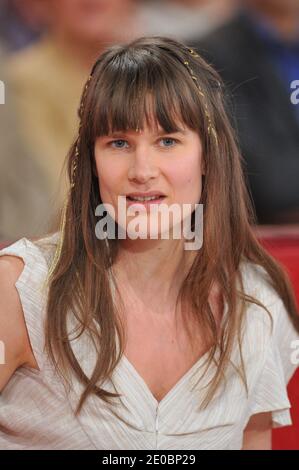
46	78
21	22
184	19
24	204
257	54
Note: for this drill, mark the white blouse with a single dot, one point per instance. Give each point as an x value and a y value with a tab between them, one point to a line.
36	406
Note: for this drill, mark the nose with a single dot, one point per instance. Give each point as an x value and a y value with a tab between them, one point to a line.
142	166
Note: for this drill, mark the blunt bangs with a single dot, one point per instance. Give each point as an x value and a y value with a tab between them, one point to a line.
133	92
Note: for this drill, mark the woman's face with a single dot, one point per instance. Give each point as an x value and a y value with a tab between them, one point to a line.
150	160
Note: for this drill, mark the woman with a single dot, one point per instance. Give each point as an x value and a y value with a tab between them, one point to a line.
139	343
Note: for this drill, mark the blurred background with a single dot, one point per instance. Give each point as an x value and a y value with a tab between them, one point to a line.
47	48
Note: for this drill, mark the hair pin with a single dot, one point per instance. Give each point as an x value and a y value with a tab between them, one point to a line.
211	128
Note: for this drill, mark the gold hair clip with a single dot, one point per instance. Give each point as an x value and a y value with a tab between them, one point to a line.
75	164
80	113
84	95
211	128
192	52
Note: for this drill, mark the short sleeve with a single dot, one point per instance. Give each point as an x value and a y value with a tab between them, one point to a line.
270	392
31	288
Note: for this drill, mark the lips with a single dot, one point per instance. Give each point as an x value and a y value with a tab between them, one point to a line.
136	195
145	198
145	202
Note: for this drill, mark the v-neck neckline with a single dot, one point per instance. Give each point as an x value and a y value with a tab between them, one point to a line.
180	382
124	361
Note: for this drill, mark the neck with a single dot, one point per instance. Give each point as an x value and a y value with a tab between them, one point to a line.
153	271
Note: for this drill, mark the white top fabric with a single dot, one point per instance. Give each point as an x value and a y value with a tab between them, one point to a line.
36	406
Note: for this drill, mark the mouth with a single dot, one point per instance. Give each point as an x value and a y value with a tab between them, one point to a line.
145	201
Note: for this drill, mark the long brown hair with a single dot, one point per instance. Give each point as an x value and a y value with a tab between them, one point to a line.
116	98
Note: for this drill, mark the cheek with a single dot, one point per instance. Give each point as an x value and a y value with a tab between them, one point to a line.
186	179
110	176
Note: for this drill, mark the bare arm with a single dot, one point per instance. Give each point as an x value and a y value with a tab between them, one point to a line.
13	332
258	432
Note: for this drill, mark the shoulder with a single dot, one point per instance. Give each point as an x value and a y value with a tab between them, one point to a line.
33	254
12	324
267	338
258	284
10	268
46	246
272	332
23	271
23	263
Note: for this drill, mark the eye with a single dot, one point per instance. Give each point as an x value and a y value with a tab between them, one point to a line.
118	144
169	142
